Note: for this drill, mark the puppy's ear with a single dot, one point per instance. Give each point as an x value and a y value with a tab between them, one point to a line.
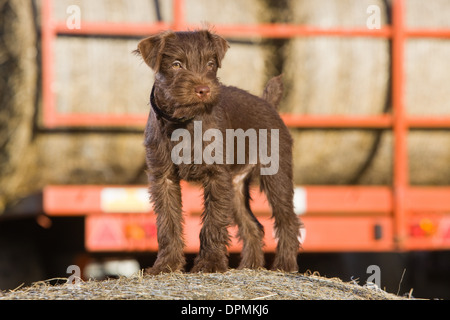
221	46
151	49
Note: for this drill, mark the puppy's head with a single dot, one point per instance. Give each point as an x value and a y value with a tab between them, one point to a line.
186	65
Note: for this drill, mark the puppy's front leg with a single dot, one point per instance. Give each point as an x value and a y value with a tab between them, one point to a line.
165	193
214	237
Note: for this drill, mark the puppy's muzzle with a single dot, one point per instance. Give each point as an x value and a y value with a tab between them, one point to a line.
203	92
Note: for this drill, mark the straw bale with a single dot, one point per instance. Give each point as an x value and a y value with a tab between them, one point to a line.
121	84
18	87
334	76
88	158
106	77
428	152
231	285
110	10
426	94
351	77
244	63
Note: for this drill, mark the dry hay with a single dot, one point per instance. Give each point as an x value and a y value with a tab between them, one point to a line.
231	285
18	75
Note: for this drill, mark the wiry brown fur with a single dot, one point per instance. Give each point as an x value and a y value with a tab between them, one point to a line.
185	64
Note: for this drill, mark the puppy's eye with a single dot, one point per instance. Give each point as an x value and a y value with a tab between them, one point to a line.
211	65
176	65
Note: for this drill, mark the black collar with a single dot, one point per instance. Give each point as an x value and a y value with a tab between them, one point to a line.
161	114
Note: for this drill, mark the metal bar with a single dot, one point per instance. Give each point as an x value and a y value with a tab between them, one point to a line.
400	179
365	122
331	212
320	121
112	29
292	31
48	37
71	200
258	30
291	120
178	23
273	30
98	120
341	233
428	33
426	122
86	199
138	233
299	121
348	200
428	199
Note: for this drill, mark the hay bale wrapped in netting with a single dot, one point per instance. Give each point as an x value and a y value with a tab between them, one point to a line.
350	76
426	93
334	76
231	285
101	75
18	87
107	78
244	63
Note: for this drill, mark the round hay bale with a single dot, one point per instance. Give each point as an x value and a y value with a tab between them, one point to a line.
120	83
426	94
87	158
110	10
18	88
334	76
244	62
231	285
428	159
350	76
106	77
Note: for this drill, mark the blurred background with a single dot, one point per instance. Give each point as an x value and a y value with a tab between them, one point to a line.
97	74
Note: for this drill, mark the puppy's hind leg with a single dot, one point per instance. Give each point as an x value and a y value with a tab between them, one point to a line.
250	231
279	191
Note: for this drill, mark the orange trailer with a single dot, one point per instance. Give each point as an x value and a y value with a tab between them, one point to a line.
337	218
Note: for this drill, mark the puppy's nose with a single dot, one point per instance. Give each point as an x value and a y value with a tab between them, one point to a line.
202	91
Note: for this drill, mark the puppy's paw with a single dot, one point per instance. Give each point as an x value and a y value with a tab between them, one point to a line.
159	268
285	265
207	266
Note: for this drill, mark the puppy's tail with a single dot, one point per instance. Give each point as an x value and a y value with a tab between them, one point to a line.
273	92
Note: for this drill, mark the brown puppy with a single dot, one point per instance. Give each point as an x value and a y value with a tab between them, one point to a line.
222	137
